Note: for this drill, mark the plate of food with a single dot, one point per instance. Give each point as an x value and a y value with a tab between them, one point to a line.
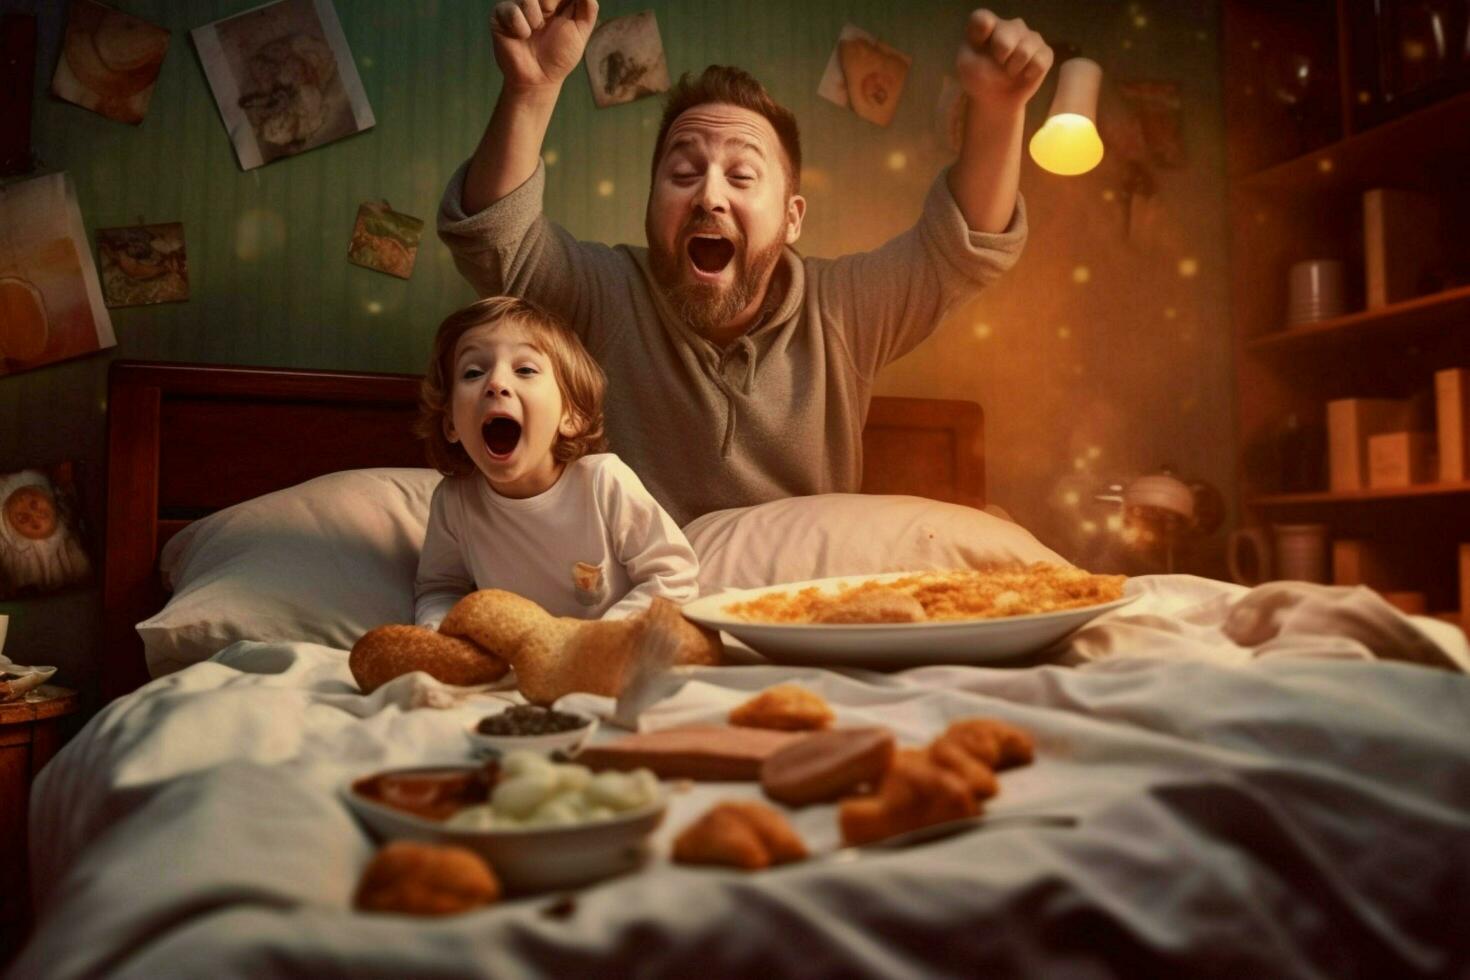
538	824
908	619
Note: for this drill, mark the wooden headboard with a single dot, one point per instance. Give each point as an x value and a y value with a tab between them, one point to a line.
184	440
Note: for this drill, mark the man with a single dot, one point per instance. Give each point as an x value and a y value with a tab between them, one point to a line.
738	370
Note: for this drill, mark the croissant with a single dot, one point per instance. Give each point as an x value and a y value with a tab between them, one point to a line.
552	656
412	878
740	834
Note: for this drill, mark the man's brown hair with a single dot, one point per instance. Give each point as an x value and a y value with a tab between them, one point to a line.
578	377
737	87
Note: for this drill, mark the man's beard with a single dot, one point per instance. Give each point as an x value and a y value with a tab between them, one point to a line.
705	306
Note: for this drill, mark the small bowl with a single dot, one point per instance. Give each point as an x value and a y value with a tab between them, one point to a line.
570	741
526	859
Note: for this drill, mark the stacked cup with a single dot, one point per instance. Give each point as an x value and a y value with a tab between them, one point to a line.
1316	291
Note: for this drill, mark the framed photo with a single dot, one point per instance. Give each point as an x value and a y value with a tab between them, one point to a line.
865	75
51	304
385	240
625	60
283	78
1158	107
143	264
109	61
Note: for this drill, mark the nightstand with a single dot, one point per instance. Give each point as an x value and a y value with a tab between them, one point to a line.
32	729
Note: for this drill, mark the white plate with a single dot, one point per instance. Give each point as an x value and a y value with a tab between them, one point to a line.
525	858
892	645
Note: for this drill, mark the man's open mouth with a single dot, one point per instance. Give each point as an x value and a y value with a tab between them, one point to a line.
501	436
710	255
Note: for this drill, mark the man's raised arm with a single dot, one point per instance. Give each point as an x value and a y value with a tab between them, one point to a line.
1001	65
537	44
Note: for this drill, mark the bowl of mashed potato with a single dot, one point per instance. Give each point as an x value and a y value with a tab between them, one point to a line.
540	824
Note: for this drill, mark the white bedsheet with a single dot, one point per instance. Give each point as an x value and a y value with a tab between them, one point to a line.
1254	797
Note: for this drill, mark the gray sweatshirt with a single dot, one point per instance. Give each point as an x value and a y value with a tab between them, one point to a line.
780	411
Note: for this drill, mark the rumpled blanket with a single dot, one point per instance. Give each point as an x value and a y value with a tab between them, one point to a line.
1184	616
1237	814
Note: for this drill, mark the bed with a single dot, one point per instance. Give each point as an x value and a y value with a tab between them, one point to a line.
1272	781
186	440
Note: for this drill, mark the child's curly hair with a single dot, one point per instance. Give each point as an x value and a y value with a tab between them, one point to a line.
578	377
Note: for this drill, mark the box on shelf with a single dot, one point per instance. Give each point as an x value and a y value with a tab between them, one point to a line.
1401	244
1351	422
1401	459
1452	422
1357	562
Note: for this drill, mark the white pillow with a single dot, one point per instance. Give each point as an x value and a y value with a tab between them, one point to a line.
850	534
322	562
329	559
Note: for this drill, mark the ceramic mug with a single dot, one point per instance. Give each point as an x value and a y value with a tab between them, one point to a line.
1316	290
1290	551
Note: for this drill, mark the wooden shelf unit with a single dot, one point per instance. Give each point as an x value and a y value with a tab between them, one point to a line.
1381	493
1405	323
1308	205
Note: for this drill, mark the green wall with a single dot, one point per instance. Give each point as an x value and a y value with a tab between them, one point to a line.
271	285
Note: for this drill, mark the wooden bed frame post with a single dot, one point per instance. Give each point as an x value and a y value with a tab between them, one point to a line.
130	580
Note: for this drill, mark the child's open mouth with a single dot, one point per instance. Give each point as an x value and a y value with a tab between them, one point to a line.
501	436
710	255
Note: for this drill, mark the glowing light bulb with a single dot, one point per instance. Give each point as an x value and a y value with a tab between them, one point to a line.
1067	143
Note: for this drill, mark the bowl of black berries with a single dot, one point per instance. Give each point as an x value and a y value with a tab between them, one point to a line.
529	726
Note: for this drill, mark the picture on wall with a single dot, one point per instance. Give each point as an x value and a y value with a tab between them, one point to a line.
109	61
143	264
865	75
385	240
625	60
50	302
283	78
1158	108
40	532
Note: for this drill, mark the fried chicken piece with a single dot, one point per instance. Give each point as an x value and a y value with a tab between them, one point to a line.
995	743
411	878
785	707
739	834
914	793
949	753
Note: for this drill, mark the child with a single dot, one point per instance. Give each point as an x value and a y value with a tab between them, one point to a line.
511	411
